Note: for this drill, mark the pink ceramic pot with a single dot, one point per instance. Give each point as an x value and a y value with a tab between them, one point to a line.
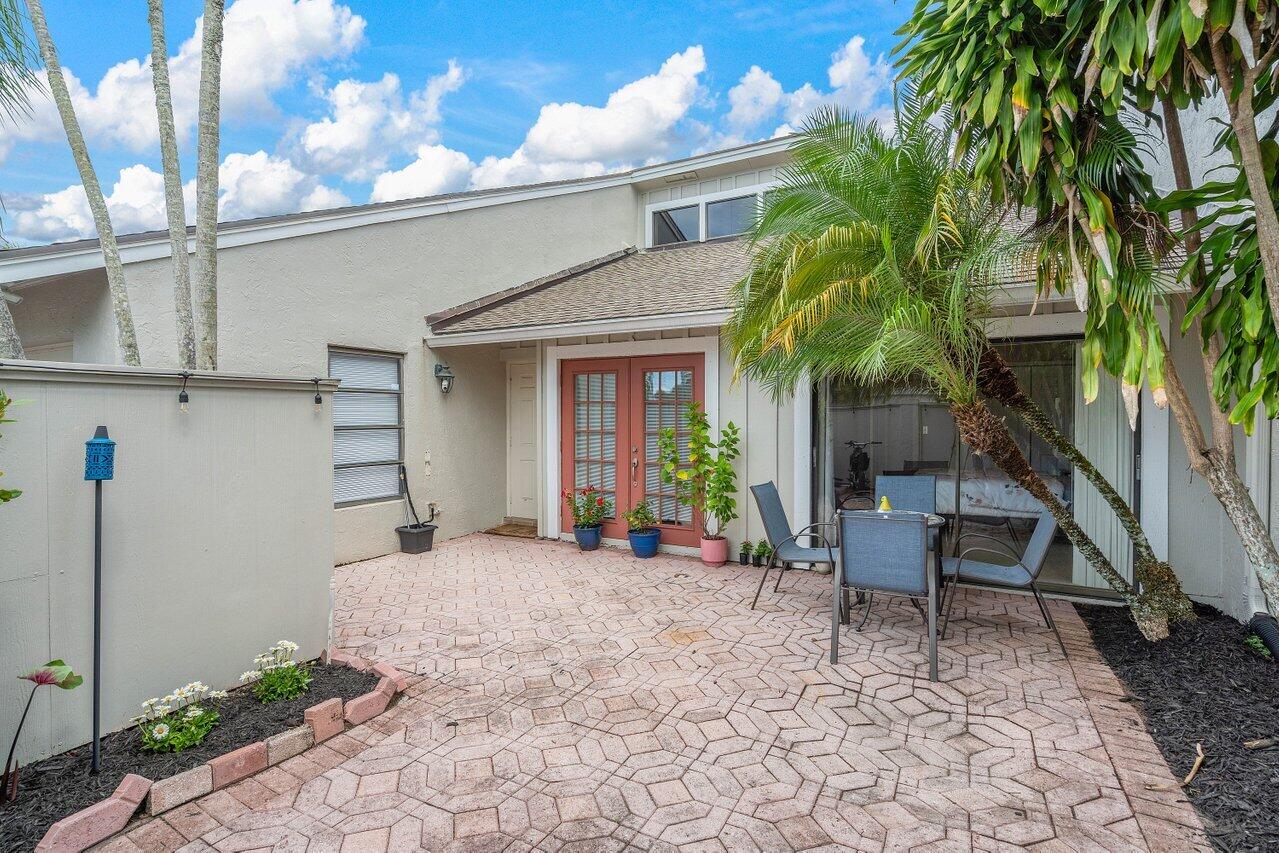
715	551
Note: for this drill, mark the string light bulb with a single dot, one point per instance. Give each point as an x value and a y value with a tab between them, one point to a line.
184	399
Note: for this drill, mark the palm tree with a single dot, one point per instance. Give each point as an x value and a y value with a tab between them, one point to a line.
174	207
206	184
126	338
16	80
876	259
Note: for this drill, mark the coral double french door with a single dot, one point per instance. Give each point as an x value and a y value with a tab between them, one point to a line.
611	412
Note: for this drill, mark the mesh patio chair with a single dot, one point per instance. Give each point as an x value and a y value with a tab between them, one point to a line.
886	554
785	544
914	492
1022	574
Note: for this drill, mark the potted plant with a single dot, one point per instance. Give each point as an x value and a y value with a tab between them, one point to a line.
706	481
744	552
762	552
641	530
589	509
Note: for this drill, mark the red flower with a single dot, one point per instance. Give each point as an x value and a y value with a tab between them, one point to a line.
599	502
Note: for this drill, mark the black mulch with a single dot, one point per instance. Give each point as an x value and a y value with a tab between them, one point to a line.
61	785
1202	685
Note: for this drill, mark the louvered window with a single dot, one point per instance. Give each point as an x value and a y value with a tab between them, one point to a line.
368	426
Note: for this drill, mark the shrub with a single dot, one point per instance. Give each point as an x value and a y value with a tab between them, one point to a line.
763	549
640	517
277	675
704	478
588	506
745	547
180	720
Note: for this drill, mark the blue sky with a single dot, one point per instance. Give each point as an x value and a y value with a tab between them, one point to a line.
329	102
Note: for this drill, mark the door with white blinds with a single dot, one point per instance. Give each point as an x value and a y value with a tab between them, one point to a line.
368	426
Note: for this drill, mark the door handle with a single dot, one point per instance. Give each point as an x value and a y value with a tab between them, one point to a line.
634	466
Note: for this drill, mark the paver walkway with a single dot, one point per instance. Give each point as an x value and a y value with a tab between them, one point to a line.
569	701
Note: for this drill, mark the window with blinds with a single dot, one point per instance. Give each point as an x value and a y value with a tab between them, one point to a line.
368	426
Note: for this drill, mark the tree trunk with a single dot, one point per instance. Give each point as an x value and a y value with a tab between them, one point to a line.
174	207
988	435
10	343
126	338
206	184
1215	462
997	381
1244	121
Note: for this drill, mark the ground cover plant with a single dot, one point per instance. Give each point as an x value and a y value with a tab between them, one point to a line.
58	786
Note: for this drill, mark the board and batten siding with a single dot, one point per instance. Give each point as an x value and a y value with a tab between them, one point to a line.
218	536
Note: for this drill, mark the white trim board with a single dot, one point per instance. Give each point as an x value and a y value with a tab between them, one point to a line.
707	345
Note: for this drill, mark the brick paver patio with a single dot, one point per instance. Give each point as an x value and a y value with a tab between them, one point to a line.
569	701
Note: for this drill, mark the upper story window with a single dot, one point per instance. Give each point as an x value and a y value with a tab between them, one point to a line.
676	225
368	426
702	220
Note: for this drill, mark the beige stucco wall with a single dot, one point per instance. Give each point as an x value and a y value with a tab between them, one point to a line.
218	538
283	303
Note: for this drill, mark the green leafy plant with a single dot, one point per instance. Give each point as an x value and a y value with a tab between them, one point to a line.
1257	646
277	675
55	673
640	518
763	549
180	720
6	495
704	479
588	506
745	547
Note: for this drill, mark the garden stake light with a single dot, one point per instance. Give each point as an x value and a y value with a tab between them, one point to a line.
99	465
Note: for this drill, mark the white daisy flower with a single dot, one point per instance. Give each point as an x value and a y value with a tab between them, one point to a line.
218	694
251	675
193	712
161	710
160	732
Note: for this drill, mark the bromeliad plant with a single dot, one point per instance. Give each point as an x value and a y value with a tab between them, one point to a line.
180	720
588	506
276	675
55	673
704	479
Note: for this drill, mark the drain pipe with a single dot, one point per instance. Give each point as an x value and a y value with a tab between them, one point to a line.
1265	627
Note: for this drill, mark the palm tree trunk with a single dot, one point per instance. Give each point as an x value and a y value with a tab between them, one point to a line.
126	338
997	381
988	435
174	207
206	185
10	343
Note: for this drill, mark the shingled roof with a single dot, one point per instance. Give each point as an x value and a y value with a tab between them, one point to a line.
629	283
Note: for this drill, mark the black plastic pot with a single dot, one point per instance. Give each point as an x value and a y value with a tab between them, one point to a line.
744	559
416	538
757	560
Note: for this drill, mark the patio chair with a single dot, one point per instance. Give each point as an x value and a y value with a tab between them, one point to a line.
886	554
1022	574
785	544
914	492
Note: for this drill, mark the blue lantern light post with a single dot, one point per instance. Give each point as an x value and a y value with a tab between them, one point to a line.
99	465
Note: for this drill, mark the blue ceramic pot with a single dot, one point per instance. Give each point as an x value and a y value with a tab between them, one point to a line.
644	542
588	538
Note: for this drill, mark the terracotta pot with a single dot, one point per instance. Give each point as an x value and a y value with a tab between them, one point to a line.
715	551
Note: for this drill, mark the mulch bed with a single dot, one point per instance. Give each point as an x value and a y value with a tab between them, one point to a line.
51	789
1203	685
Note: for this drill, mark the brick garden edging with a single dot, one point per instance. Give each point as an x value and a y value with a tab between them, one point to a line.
98	822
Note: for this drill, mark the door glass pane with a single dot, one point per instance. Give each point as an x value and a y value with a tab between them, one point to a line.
595	433
666	393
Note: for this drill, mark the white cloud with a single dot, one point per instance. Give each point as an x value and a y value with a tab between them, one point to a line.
436	170
755	97
637	122
251	185
262	184
368	122
266	43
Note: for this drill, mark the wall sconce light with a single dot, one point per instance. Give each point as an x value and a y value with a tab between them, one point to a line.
184	399
319	401
445	376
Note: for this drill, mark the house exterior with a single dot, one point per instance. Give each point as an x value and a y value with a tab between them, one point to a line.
574	318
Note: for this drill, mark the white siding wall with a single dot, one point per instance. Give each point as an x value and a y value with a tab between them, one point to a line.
218	538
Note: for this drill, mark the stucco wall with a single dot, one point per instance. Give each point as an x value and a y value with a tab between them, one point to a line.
283	303
218	538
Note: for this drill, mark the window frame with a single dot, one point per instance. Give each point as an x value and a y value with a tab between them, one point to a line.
398	358
700	201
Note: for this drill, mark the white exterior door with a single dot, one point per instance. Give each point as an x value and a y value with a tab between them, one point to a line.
521	440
